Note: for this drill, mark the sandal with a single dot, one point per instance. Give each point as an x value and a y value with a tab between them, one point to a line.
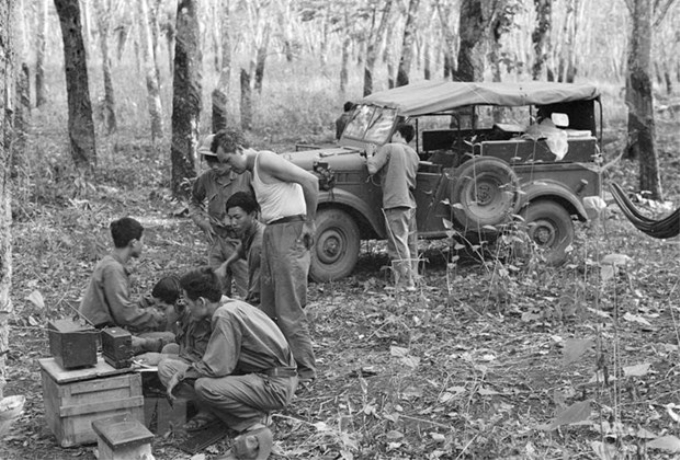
201	421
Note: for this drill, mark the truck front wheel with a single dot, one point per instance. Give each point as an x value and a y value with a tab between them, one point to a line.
336	247
550	227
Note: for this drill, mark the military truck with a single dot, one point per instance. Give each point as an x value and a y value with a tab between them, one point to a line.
489	152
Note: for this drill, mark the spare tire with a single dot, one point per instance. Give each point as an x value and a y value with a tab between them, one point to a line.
485	191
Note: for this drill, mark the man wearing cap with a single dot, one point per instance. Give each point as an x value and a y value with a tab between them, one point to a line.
209	195
287	195
248	369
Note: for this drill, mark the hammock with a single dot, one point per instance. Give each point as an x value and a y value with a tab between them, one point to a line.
668	227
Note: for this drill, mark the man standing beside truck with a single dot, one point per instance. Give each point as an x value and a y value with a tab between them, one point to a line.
397	164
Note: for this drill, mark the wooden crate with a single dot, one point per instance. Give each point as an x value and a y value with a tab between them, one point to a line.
74	399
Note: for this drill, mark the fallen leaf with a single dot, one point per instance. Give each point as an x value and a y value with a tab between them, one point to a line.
576	413
410	361
438	437
639	370
487	392
667	443
636	319
321	426
398	351
643	433
671	412
575	348
394	434
616	259
36	299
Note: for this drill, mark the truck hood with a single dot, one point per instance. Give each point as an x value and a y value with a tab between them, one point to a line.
339	159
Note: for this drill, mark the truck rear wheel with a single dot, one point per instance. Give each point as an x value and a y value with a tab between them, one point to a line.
336	247
486	191
550	227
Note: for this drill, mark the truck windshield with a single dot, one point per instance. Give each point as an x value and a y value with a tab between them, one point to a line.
371	124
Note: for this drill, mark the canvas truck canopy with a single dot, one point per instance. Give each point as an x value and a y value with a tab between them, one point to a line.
430	97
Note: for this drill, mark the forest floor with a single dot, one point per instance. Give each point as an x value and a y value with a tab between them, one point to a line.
483	361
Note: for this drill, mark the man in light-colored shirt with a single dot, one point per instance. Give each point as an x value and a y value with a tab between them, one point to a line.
397	164
287	195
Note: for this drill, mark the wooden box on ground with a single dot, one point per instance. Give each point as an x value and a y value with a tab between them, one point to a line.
74	399
122	439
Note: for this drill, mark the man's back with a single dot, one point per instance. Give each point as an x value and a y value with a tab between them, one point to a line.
398	166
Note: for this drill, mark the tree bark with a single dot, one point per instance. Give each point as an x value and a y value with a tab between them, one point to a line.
473	40
40	48
344	66
186	96
641	124
153	91
449	33
246	101
261	58
87	29
220	95
6	102
407	43
540	37
22	105
103	11
80	124
373	45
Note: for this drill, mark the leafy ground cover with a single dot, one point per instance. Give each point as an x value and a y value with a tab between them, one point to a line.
484	360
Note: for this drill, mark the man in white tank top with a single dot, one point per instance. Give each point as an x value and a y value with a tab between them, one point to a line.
287	195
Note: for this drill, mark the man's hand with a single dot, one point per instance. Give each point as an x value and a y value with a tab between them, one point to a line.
308	234
174	381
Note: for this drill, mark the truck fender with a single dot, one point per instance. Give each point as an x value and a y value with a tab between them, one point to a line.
355	205
555	191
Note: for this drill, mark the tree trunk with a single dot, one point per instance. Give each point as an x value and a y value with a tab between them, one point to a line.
540	37
407	43
449	34
122	32
344	68
153	97
246	101
80	124
7	73
373	45
261	58
103	11
186	96
154	10
641	125
87	29
220	95
22	105
169	33
40	48
473	39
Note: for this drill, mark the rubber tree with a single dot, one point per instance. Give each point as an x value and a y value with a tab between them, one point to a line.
186	96
220	95
407	43
374	39
473	41
103	13
641	143
40	48
540	37
9	406
80	124
153	94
